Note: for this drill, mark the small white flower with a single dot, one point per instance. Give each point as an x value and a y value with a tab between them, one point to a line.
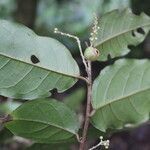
94	32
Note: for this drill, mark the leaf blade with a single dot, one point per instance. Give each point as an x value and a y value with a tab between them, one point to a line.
19	47
44	121
119	29
121	94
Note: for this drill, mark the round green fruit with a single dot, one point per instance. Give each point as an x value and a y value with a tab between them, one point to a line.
91	53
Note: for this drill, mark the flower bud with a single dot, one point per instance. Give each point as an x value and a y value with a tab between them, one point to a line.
91	53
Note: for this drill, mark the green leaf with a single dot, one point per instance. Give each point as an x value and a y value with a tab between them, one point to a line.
118	30
31	65
121	95
44	121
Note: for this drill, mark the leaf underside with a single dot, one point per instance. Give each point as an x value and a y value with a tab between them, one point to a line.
121	95
119	30
44	121
31	65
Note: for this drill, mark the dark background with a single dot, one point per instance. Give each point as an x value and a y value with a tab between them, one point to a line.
75	17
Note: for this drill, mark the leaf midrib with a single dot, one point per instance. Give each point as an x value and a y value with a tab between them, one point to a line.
46	123
73	76
118	34
123	98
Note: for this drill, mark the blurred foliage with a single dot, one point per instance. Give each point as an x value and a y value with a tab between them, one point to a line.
73	16
8	106
7	8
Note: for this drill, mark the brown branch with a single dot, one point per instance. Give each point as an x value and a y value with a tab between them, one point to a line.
26	12
88	109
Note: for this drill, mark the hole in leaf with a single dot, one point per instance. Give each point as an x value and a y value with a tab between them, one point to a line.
136	12
140	30
131	47
133	34
54	93
34	59
109	57
97	51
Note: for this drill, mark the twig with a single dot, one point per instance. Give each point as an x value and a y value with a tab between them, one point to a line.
78	42
101	143
84	79
88	108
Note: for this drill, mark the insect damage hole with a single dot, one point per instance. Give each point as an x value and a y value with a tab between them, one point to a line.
140	30
133	34
34	59
131	47
97	52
